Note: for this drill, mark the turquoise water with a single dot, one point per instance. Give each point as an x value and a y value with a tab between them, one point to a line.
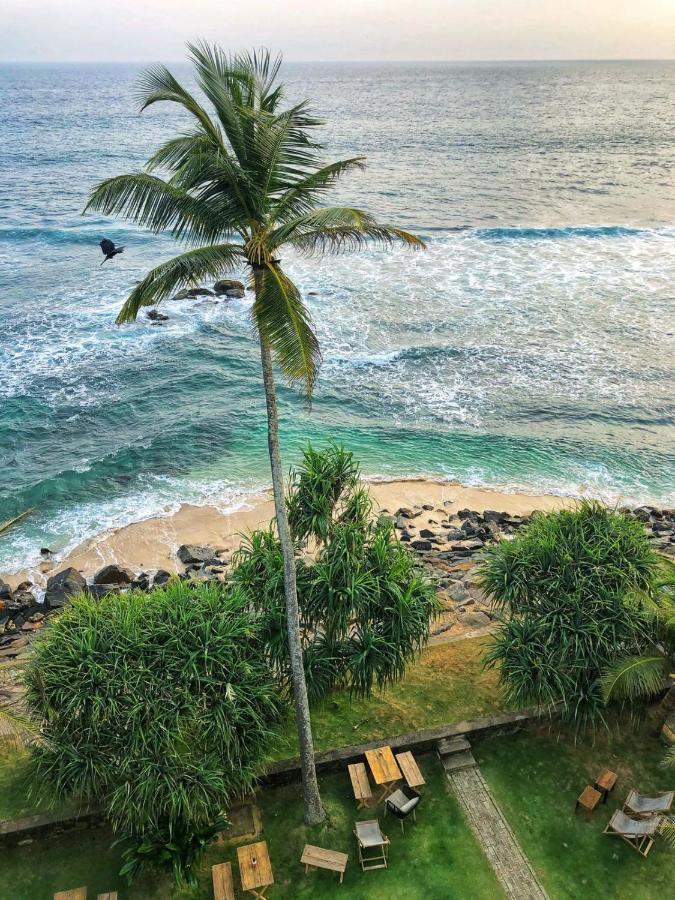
531	346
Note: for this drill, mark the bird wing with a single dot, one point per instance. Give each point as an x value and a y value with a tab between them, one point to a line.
107	245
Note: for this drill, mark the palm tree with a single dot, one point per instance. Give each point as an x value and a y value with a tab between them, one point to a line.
242	182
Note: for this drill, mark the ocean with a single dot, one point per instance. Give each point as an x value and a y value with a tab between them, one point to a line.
530	347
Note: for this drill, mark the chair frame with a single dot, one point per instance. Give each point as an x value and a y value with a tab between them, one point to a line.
413	812
641	843
381	859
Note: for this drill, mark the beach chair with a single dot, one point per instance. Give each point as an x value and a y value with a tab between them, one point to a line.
640	806
639	833
370	837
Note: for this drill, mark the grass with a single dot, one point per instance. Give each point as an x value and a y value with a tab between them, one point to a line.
536	777
436	859
446	685
15	801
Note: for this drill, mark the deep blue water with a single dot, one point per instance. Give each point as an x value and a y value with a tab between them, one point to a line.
530	346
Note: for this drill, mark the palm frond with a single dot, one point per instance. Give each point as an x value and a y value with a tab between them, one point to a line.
10	523
303	196
158	85
338	230
187	269
159	206
634	677
283	321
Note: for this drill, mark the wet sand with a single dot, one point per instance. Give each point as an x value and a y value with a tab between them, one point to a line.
151	544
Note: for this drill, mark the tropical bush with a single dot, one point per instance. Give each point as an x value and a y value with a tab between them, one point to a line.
156	707
573	591
636	678
365	606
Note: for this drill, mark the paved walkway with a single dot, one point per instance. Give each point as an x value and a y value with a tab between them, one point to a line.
495	837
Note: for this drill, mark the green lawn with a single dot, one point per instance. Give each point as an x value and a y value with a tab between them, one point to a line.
436	859
446	685
536	779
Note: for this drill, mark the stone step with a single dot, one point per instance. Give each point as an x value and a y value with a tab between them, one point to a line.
457	762
447	746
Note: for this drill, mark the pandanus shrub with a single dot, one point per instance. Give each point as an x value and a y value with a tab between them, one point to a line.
573	591
365	606
156	707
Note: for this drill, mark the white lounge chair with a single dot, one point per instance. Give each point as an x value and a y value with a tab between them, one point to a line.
639	833
642	806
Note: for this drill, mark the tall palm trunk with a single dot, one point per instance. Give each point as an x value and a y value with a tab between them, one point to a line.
314	812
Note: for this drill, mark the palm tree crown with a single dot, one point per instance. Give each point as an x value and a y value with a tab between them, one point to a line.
241	182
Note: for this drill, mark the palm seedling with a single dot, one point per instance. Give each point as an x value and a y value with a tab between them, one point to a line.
243	181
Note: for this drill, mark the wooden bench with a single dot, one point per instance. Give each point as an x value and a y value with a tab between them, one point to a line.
319	858
223	886
75	894
411	771
111	895
360	784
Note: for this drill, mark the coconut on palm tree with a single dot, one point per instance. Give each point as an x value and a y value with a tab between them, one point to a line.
242	182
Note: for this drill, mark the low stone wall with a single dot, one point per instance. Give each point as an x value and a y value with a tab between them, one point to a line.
14	831
288	770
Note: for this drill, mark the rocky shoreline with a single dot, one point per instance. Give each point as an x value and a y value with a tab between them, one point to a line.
450	546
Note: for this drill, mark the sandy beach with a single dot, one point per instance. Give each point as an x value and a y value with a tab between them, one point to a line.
152	543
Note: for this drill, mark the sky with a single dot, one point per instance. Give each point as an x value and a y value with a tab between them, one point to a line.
144	30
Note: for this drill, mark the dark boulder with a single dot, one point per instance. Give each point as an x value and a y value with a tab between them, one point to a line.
428	533
192	553
102	590
62	586
421	545
229	288
188	293
161	577
46	552
114	574
491	515
157	316
6	592
141	582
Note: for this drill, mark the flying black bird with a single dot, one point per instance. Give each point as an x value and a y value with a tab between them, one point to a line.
109	249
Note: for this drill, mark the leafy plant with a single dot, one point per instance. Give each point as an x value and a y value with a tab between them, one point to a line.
365	606
633	678
243	182
157	707
573	590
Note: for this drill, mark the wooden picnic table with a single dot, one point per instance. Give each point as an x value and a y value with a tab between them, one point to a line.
255	868
76	894
384	768
360	784
320	858
410	769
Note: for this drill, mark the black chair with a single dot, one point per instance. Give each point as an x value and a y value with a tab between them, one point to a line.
402	803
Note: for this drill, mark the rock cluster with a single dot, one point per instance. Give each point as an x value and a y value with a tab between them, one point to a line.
451	548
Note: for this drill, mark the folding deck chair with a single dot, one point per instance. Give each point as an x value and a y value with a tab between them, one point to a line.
639	833
641	806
